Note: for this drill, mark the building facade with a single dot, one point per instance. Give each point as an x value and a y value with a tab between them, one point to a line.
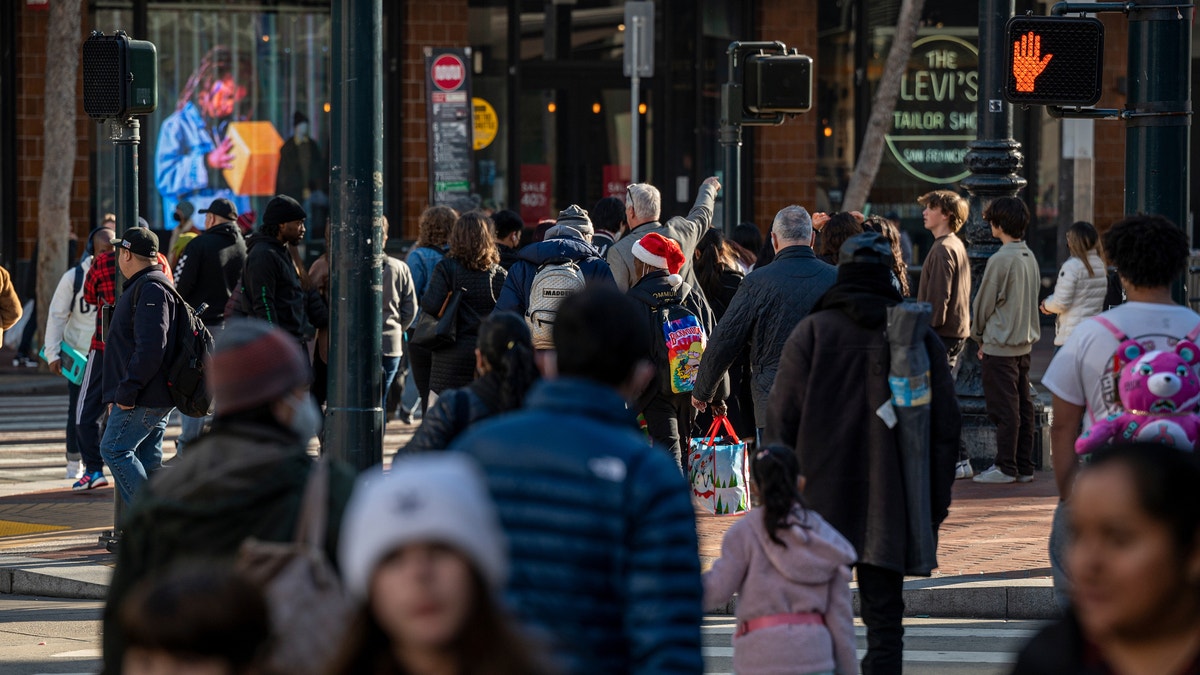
553	111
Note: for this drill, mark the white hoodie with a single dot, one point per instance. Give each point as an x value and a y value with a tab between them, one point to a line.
71	318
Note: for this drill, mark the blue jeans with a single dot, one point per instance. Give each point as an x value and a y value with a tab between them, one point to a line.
391	364
189	429
132	446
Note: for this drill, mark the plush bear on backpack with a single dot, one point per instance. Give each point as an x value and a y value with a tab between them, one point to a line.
1159	394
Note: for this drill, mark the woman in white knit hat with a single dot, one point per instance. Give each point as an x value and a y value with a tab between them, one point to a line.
422	549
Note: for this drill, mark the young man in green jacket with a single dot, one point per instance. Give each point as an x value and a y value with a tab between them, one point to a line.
1005	326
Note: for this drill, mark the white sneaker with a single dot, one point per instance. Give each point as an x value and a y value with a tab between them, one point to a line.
994	475
1021	478
963	470
74	469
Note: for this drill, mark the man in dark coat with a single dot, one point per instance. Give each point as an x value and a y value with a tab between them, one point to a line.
207	272
832	404
244	478
668	415
600	526
768	304
140	341
270	280
508	227
569	239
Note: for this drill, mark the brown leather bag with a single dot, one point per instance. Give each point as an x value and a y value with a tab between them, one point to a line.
309	609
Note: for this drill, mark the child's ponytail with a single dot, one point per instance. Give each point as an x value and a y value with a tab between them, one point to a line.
775	471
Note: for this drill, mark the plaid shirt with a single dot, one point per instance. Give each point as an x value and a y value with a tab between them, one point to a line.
100	288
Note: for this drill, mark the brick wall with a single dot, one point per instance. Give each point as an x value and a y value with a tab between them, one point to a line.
31	68
1110	134
785	165
427	24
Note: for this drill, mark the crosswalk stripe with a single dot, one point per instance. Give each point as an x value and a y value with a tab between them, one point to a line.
911	656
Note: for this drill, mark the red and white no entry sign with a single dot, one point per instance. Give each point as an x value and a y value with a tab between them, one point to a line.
448	72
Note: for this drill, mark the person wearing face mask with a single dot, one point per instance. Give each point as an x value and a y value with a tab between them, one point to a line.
301	165
193	147
243	478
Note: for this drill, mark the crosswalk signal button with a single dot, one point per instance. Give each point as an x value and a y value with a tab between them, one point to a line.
1054	60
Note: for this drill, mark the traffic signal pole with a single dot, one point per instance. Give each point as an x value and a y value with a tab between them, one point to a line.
354	414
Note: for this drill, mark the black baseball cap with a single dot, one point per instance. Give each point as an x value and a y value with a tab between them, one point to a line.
221	207
139	241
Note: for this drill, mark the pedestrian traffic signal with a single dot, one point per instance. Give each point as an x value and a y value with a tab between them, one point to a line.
120	76
1054	60
778	83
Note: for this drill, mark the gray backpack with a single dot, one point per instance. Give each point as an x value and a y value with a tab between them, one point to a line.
555	279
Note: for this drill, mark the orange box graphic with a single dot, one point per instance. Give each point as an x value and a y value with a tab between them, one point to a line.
255	158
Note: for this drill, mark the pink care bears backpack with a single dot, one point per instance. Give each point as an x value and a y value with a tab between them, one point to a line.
1159	392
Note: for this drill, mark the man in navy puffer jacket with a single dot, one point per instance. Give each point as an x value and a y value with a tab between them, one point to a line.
570	239
600	525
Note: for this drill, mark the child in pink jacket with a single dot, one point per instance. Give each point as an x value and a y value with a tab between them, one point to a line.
791	571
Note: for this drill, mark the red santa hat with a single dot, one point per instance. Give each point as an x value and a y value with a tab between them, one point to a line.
658	251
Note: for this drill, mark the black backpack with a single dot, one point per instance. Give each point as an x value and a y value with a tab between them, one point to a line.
185	367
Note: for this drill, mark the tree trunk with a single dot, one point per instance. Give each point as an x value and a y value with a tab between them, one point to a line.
58	149
882	107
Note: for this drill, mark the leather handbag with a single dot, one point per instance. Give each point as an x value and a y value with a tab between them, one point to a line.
309	609
441	331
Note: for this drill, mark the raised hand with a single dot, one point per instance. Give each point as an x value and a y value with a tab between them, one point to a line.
1028	62
222	156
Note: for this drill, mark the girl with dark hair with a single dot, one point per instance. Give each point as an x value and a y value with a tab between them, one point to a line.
1082	283
196	620
881	225
424	554
505	364
720	274
791	571
1134	565
472	265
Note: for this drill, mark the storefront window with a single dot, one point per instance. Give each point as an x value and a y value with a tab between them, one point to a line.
243	110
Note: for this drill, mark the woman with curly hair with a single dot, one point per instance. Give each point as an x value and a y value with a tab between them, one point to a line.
473	265
433	233
883	226
837	229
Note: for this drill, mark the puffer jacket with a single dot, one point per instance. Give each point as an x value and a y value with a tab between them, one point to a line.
809	573
454	411
239	480
601	532
514	297
763	312
455	366
1076	295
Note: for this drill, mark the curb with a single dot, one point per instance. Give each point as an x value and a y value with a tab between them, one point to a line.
51	579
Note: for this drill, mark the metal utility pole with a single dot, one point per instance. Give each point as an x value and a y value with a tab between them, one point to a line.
639	63
354	414
635	84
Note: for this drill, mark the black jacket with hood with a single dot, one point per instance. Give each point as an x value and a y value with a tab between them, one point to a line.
272	287
209	268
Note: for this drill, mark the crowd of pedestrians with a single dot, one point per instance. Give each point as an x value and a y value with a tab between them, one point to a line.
540	519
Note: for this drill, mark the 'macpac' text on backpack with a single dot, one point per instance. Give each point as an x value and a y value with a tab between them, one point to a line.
555	279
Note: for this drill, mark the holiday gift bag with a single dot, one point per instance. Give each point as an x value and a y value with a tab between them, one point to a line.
719	470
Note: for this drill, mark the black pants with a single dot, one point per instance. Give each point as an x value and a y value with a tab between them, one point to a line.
881	596
89	413
669	421
954	351
1010	408
421	360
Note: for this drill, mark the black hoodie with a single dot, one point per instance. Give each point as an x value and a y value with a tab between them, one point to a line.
209	269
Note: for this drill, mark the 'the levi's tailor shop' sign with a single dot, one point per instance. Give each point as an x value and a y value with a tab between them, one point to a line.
935	115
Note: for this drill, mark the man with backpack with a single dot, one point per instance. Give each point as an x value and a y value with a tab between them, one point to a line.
550	270
208	270
1150	253
139	344
680	323
68	335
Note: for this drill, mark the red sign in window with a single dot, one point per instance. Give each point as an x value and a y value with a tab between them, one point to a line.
535	193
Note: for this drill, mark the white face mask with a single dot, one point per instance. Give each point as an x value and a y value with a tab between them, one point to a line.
306	417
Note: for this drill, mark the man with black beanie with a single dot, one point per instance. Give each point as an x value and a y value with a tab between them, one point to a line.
270	281
832	404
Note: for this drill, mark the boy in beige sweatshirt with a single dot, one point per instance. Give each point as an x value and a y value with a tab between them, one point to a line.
1005	325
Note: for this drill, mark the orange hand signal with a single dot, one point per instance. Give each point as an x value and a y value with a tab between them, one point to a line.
1027	60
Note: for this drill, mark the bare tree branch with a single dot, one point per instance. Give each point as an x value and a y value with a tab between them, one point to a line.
880	122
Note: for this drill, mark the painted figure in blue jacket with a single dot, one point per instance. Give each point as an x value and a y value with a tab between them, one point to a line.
192	148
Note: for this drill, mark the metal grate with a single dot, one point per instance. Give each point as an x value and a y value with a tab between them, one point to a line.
1073	74
102	77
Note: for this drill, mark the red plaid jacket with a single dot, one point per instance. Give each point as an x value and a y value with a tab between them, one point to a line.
100	287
